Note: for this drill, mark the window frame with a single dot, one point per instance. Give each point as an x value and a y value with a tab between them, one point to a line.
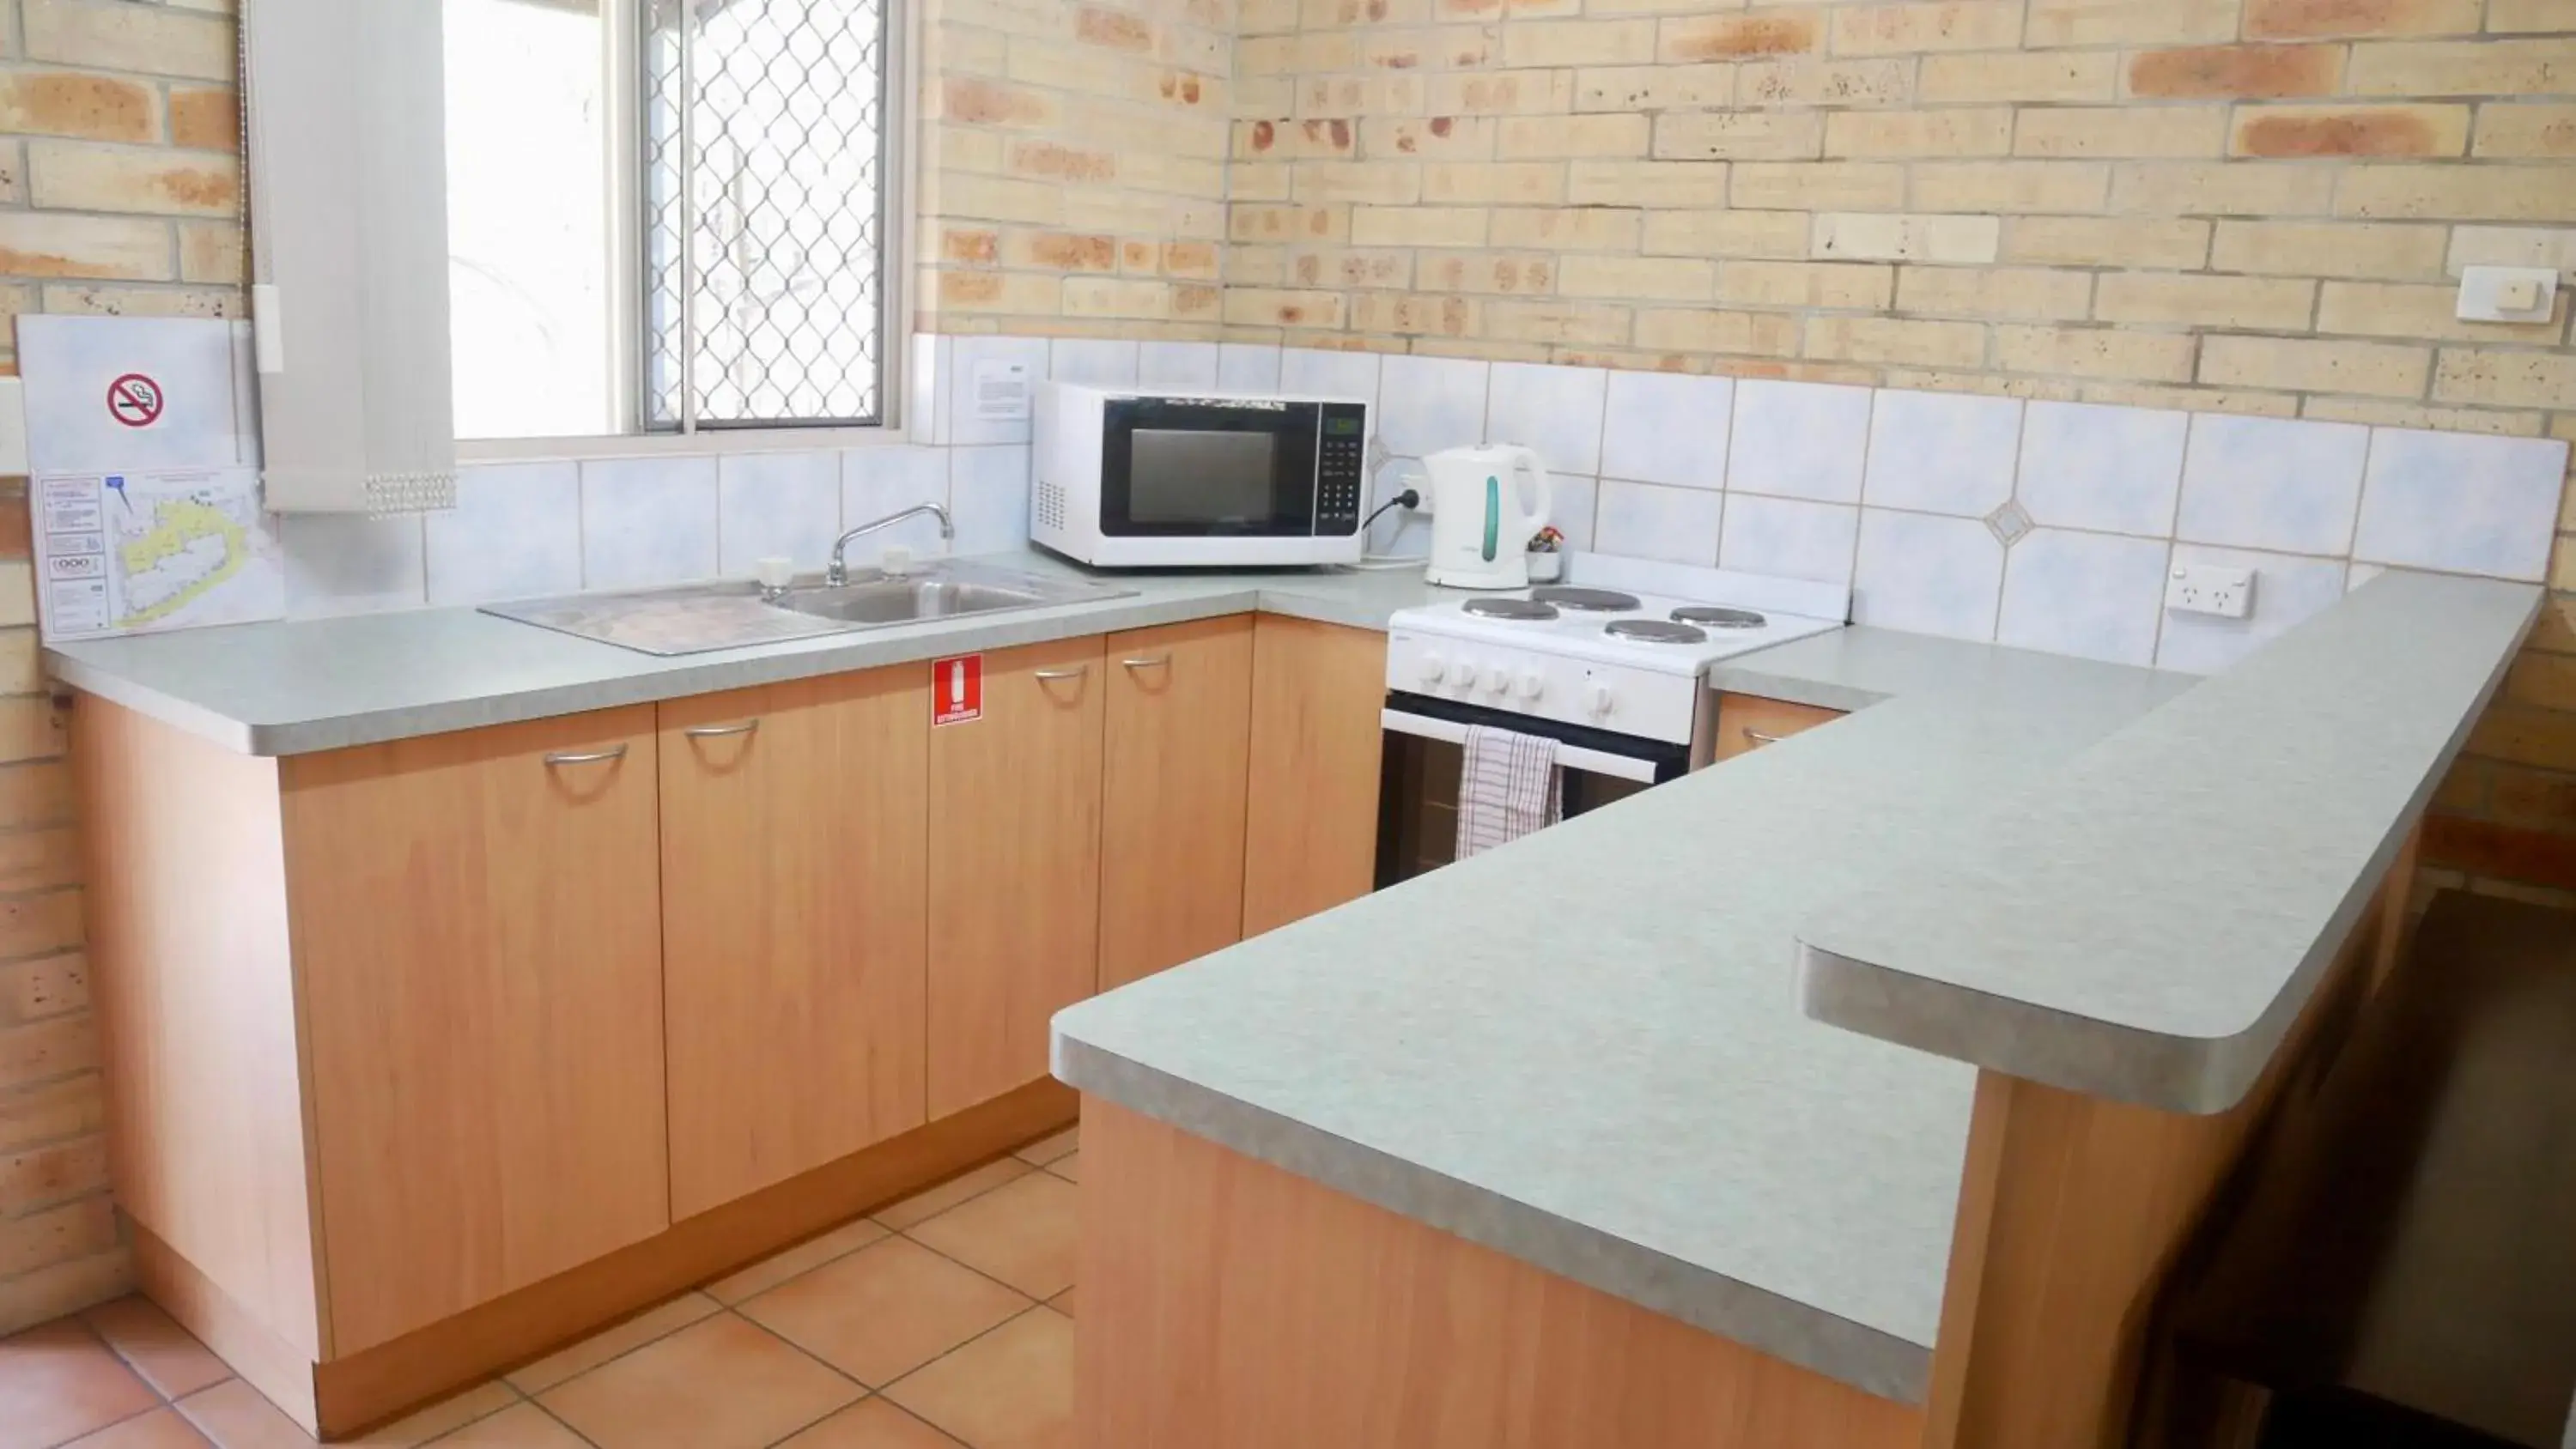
625	163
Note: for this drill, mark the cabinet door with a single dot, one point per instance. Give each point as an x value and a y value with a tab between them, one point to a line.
479	950
793	938
1172	798
1311	828
1747	722
1014	869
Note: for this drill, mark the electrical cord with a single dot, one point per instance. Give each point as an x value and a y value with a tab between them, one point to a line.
1406	499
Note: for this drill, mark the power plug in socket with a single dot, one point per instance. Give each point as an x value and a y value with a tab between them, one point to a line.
2209	589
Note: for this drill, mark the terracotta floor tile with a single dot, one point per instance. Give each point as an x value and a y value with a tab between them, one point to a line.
1022	1232
600	1347
720	1383
58	1382
167	1356
160	1429
871	1424
930	1204
1063	1302
884	1310
234	1416
769	1272
1010	1389
1068	1167
1048	1149
523	1427
445	1416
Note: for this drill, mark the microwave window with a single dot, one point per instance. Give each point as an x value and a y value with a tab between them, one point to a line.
1200	477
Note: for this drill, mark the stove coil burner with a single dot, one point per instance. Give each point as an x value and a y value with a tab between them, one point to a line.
1521	610
1655	631
1587	601
1718	618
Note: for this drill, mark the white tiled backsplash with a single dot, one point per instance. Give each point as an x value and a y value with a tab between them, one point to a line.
2045	525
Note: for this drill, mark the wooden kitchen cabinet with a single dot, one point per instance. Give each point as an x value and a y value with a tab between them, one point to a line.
477	937
794	938
1747	722
1310	831
1014	866
1175	757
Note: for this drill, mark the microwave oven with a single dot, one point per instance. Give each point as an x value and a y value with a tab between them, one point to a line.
1126	479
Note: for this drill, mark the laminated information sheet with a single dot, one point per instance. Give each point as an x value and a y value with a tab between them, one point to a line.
121	553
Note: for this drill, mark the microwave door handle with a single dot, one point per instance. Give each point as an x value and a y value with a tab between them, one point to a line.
1568	757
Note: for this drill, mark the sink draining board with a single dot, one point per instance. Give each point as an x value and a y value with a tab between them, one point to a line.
669	621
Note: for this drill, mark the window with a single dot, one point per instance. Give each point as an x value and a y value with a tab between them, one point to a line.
668	216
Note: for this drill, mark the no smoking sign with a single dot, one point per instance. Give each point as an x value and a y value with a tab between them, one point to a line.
134	400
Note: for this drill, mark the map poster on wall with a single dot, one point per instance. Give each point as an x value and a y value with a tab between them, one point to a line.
130	553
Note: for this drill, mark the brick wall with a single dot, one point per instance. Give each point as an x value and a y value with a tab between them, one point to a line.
1074	166
118	189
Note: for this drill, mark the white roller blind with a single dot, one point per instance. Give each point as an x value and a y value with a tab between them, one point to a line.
348	190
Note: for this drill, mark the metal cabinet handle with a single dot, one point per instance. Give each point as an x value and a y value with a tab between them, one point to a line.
1759	738
1147	661
717	732
1076	672
586	757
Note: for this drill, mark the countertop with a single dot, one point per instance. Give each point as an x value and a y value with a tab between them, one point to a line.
295	687
1592	1049
2147	923
1585	1049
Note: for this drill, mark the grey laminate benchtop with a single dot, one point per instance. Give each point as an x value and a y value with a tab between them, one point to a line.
324	684
1589	1049
2146	922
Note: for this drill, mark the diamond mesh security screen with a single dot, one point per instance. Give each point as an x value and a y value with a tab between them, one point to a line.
764	221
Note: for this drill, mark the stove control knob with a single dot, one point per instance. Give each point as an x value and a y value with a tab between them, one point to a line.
1598	700
1464	676
1498	680
1532	686
1431	669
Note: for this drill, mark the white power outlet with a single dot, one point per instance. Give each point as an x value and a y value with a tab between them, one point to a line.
2210	589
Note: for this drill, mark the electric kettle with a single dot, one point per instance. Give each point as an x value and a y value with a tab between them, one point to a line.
1479	532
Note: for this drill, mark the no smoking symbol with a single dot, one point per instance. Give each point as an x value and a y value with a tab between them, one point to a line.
134	400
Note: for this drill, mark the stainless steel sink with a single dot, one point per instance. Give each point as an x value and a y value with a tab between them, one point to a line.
697	618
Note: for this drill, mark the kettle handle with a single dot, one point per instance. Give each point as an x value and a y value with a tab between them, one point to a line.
1532	522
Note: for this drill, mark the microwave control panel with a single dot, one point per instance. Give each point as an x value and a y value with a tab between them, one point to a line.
1341	469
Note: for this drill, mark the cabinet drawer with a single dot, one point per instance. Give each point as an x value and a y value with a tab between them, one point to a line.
1175	764
1747	722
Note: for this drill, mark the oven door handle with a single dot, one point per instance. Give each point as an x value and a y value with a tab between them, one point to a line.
1568	757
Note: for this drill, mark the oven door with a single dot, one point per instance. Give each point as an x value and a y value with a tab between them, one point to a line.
1425	752
1208	468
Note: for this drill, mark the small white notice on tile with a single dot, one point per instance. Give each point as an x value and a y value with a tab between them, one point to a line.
1002	390
131	553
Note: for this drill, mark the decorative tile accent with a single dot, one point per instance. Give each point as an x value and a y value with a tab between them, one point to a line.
1942	452
1799	440
1177	366
515	533
784	504
1789	537
647	521
349	563
2270	483
1092	362
1647	520
1664	427
2093	595
879	481
1927	574
1426	404
988	492
2114	469
2461	502
2288	591
2009	522
1555	410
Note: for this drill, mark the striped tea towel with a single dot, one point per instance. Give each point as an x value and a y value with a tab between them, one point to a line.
1506	788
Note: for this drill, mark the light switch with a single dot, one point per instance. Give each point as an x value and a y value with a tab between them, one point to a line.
2508	294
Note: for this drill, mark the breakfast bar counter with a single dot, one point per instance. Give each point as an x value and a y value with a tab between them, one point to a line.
1578	1072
